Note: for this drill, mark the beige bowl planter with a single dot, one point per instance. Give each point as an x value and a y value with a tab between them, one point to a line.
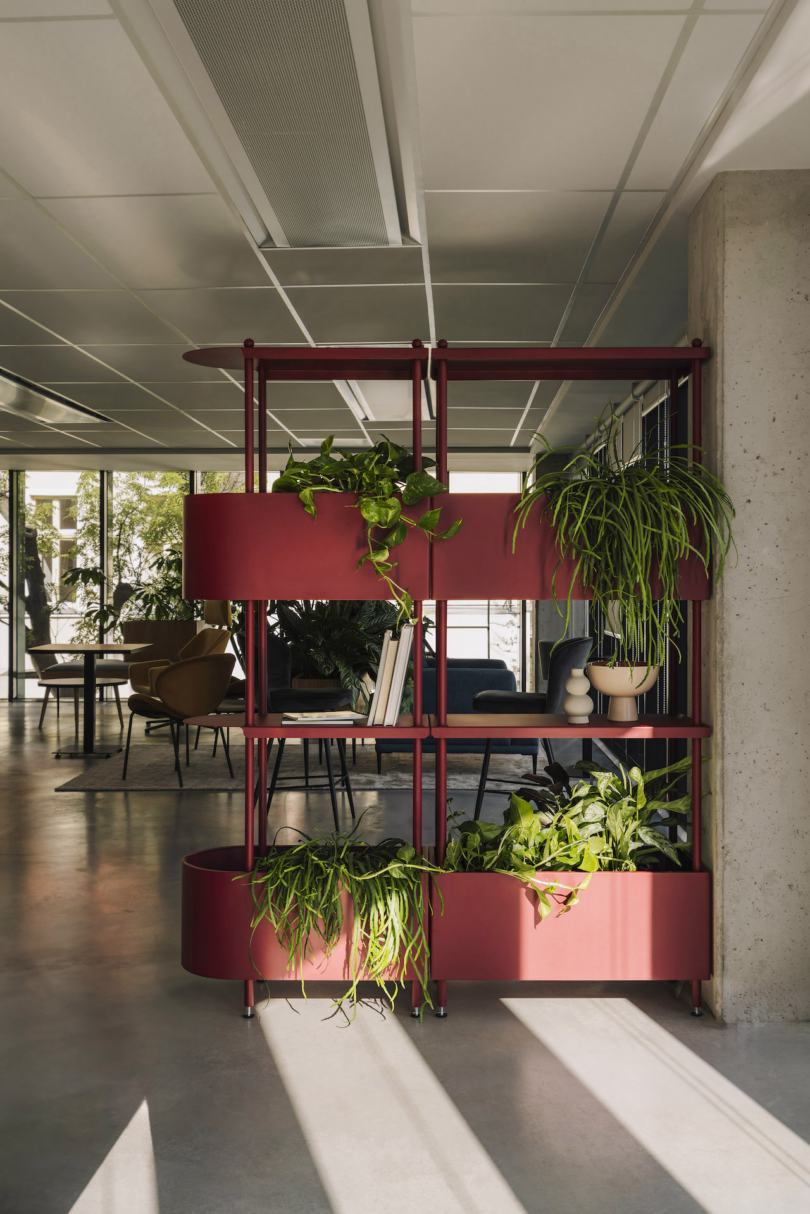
622	683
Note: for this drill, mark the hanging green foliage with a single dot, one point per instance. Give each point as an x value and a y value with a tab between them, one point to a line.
298	891
624	519
384	480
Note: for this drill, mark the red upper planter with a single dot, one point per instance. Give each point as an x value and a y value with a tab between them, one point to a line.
265	546
478	563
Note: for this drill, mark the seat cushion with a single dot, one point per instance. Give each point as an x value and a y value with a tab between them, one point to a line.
311	699
514	702
75	670
147	706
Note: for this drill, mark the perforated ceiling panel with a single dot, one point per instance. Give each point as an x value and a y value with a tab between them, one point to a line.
285	73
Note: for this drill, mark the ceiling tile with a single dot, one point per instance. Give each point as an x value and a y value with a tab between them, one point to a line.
192	436
506	8
627	225
508	237
488	394
585	312
653	310
51	364
93	120
189	240
327	267
19	330
527	103
483	314
34	253
222	395
53	8
149	421
363	314
89	317
580	410
102	397
117	436
222	317
43	437
715	48
159	363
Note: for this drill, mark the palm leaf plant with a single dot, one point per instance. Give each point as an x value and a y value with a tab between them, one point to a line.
621	520
338	638
384	481
298	890
613	824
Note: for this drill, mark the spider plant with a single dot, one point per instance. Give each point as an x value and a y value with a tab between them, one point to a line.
384	480
614	824
298	890
622	518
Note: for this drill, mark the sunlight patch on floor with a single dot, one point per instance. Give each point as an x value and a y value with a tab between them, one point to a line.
382	1131
126	1182
724	1149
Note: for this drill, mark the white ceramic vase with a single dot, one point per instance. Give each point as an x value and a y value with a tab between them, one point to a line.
577	705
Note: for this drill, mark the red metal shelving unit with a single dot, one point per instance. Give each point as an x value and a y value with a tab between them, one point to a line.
263	546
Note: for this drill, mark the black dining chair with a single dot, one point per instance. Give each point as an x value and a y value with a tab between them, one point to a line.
571	654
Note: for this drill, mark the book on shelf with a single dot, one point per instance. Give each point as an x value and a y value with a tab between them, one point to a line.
385	673
343	716
375	699
399	675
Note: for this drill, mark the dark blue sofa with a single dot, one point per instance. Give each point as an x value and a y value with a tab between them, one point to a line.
464	681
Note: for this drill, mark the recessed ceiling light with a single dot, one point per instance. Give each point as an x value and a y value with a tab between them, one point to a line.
25	399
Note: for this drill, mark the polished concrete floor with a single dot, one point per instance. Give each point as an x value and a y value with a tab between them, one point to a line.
132	1087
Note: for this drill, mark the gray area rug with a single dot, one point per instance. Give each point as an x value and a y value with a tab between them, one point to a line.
151	768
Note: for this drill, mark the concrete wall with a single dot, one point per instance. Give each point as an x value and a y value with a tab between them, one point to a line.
749	299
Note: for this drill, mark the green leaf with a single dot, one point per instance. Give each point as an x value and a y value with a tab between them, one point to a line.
420	485
326	445
429	519
397	535
450	531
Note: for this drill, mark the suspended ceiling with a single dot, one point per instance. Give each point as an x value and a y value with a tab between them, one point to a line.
486	171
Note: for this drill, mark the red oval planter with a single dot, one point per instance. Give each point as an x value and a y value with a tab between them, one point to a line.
625	926
216	935
265	546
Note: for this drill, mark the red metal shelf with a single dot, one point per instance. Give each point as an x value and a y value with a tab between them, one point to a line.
618	362
270	727
490	725
308	364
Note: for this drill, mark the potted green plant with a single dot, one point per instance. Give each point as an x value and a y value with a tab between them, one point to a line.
334	641
384	481
641	917
626	524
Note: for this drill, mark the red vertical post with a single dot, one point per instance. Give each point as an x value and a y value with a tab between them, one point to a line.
249	655
697	657
418	639
262	622
262	405
441	659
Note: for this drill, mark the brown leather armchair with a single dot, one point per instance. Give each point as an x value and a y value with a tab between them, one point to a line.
192	687
214	640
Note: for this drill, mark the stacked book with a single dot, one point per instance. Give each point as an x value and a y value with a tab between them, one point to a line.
342	716
391	677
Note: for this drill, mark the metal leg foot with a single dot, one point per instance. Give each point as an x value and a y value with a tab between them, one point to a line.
697	998
697	1011
415	1013
441	1013
248	1012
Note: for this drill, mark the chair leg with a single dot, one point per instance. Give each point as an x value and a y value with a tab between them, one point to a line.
187	755
328	752
118	705
587	750
214	751
341	745
197	739
126	752
76	709
544	742
226	747
534	764
482	783
320	750
277	765
306	762
379	762
354	751
45	705
174	726
58	703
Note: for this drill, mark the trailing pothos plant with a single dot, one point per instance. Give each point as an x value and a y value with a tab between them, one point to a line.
614	824
621	519
298	891
384	480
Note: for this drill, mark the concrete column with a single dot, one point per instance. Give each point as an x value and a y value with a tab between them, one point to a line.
749	299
